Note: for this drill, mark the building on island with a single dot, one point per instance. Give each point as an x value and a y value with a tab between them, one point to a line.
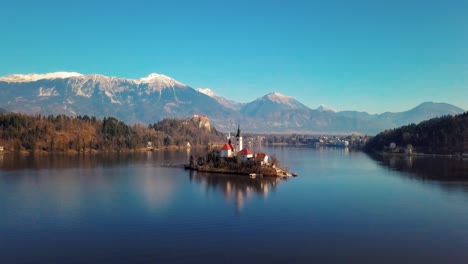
230	151
239	146
237	160
238	151
262	158
227	150
245	155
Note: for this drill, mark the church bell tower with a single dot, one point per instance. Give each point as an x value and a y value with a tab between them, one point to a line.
238	140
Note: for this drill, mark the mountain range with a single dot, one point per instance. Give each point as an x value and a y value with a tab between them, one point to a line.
149	99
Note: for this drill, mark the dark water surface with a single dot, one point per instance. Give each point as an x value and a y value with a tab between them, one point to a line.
128	208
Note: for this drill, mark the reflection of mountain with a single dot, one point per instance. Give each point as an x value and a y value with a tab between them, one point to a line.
449	173
236	187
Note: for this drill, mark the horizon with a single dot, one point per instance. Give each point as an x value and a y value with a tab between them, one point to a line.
364	56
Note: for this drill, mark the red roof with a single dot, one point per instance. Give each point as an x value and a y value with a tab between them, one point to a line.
226	147
261	155
245	152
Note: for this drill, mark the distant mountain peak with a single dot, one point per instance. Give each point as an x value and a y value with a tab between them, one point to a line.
223	101
160	80
282	99
324	108
32	77
436	109
157	96
154	80
433	106
279	98
430	104
207	91
271	104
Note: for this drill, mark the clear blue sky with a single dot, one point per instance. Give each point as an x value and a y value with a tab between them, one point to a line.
369	55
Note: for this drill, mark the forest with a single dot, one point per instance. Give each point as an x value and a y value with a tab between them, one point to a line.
60	133
441	135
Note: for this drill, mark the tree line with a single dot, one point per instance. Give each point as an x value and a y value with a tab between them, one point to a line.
60	133
441	135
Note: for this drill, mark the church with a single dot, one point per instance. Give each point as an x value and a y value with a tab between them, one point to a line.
228	150
237	150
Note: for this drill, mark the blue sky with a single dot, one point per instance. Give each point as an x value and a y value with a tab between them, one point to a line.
368	55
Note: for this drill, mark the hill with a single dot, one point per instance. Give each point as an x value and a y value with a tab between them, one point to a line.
19	132
442	135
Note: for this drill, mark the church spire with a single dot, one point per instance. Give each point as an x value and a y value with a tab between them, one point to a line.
238	140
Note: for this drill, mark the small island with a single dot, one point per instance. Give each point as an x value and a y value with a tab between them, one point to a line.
235	159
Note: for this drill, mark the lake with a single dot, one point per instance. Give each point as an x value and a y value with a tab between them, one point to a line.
344	207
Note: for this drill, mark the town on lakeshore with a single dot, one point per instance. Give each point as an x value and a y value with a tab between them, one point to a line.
234	158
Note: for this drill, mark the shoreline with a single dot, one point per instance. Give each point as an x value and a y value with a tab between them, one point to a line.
460	156
94	151
279	172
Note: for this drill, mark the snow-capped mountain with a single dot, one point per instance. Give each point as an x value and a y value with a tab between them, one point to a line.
208	92
156	96
226	102
35	77
159	81
271	103
323	108
146	100
282	99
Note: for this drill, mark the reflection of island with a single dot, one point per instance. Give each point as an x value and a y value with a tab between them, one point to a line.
239	188
429	169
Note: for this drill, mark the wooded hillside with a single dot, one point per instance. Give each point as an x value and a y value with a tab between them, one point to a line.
19	132
442	135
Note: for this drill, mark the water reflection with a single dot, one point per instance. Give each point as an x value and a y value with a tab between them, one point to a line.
236	188
155	188
66	183
450	173
19	161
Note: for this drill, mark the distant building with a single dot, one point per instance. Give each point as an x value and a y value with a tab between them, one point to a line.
245	155
149	145
342	143
262	157
226	151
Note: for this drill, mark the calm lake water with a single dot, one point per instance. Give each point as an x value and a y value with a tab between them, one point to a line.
344	207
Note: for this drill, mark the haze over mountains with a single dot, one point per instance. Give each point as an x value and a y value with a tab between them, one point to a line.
157	96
